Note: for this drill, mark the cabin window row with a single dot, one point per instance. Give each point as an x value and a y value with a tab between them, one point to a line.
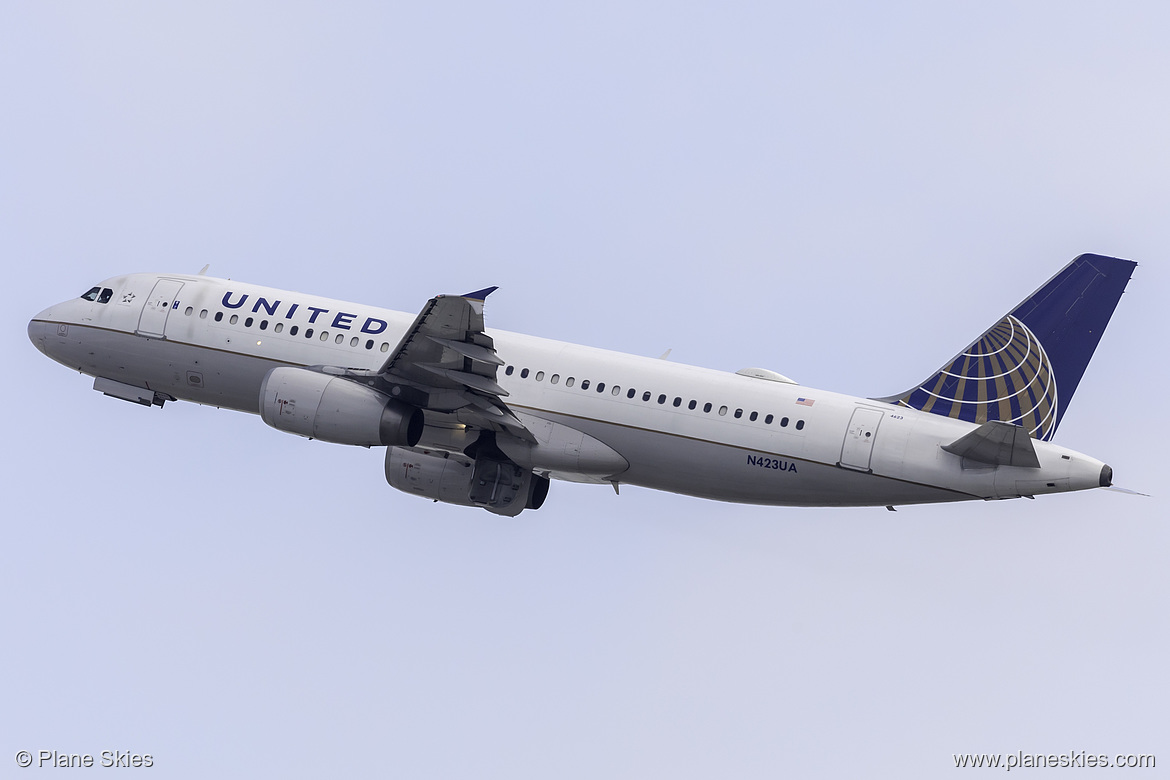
662	399
293	330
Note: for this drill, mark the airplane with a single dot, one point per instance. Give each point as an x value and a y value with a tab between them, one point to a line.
483	418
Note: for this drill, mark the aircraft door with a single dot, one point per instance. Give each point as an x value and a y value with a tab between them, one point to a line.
158	307
858	445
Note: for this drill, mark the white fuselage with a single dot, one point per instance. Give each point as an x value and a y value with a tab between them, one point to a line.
728	436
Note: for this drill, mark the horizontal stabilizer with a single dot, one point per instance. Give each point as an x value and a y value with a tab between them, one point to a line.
996	443
1127	491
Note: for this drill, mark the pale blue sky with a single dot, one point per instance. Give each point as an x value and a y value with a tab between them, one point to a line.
847	194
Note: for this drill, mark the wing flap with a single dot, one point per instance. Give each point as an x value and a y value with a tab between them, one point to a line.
449	363
468	349
467	379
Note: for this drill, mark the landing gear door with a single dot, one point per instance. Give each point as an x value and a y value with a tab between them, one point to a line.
859	437
162	299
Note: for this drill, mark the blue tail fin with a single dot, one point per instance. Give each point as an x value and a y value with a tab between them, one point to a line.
1025	368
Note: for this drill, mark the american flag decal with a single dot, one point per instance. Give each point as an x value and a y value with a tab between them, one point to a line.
804	402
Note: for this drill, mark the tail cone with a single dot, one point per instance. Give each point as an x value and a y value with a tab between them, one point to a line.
1106	476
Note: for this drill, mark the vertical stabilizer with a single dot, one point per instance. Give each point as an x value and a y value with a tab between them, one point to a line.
1026	367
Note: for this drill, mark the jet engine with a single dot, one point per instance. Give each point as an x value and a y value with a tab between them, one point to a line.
330	408
499	486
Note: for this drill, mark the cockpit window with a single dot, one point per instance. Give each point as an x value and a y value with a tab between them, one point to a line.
93	294
107	293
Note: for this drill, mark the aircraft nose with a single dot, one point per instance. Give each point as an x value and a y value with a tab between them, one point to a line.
36	334
39	328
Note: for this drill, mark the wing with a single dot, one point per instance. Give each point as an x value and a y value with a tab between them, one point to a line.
446	365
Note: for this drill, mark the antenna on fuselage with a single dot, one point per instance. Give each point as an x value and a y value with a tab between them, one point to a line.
203	271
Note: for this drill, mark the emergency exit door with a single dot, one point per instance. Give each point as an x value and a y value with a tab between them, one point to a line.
857	448
157	308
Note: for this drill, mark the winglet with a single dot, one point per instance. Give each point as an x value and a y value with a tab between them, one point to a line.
480	295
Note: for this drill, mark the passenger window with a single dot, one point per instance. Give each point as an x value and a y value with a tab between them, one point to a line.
584	384
309	333
369	343
263	324
203	314
800	425
235	318
554	378
707	407
692	404
646	396
248	323
662	399
677	401
353	342
385	347
768	420
219	316
722	411
324	335
738	413
508	371
340	337
92	294
601	387
783	422
186	313
753	416
278	327
569	382
539	376
631	393
524	373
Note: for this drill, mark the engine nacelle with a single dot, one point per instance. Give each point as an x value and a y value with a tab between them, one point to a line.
330	408
498	486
